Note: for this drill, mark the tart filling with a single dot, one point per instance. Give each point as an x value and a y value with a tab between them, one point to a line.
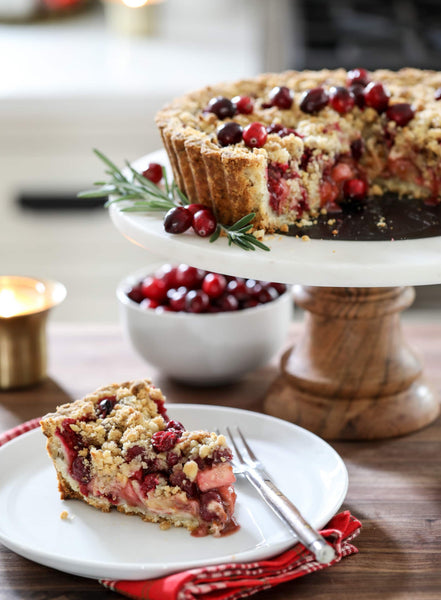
117	448
287	146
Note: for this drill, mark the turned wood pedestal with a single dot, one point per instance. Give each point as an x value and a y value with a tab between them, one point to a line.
351	375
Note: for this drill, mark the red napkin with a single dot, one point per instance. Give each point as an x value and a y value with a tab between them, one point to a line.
233	580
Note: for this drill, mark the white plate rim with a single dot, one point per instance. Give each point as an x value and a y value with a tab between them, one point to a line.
47	558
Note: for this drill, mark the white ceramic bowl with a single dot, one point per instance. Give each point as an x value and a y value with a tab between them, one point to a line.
205	349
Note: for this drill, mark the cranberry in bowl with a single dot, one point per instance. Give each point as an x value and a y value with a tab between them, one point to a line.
203	328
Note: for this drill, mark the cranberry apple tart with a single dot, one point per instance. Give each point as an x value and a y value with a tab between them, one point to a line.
289	146
117	448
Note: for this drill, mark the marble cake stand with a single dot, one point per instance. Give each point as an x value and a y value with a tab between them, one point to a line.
351	375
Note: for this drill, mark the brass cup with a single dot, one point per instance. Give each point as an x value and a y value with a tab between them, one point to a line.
23	347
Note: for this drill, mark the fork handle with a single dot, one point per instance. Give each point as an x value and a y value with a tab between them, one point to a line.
288	512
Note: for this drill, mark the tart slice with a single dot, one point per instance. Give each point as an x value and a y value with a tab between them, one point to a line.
117	448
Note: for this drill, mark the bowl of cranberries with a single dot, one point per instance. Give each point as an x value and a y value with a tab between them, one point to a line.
203	328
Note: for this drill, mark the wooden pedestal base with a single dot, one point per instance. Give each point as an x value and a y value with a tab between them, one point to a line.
352	375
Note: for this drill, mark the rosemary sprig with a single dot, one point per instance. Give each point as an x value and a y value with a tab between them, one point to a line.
146	196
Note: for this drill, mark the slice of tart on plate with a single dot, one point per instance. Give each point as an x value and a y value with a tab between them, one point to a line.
117	448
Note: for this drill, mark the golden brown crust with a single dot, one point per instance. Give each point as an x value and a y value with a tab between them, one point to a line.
233	178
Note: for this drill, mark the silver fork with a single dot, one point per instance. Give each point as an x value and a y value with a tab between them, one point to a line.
246	462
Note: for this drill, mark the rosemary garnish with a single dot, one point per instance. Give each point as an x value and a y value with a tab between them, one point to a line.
146	196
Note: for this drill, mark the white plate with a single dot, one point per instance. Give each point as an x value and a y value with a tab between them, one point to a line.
332	263
111	545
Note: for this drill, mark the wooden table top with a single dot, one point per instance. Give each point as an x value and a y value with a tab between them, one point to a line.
394	485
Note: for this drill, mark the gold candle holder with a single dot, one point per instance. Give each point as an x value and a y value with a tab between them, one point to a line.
24	306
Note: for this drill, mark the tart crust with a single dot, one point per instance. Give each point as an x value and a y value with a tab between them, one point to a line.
233	180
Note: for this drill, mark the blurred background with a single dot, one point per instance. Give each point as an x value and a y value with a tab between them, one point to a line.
79	74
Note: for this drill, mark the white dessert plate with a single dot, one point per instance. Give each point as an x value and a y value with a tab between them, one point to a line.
332	263
101	545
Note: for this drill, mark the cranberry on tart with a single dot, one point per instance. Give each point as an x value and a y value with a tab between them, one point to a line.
117	448
288	146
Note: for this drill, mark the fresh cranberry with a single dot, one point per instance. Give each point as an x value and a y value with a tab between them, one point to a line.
214	284
305	159
376	96
222	107
194	208
162	308
360	76
148	304
207	499
282	97
154	289
357	90
438	94
279	287
189	277
163	441
153	172
243	104
255	135
357	148
135	293
230	133
228	303
105	406
253	287
168	274
281	130
172	459
355	189
401	113
176	299
196	301
267	295
314	100
175	425
177	220
204	223
149	482
250	303
71	438
238	288
341	100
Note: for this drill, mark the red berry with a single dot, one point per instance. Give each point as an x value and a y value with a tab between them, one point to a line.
341	99
194	208
154	289
357	148
253	287
177	220
105	406
168	274
204	223
243	104
401	113
438	94
163	308
196	301
357	90
282	97
341	172
176	299
188	276
230	133
360	76
227	303
255	135
209	504
153	172
250	303
238	288
214	284
279	287
222	107
328	192
163	441
267	295
314	100
355	189
135	293
376	96
147	303
175	425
